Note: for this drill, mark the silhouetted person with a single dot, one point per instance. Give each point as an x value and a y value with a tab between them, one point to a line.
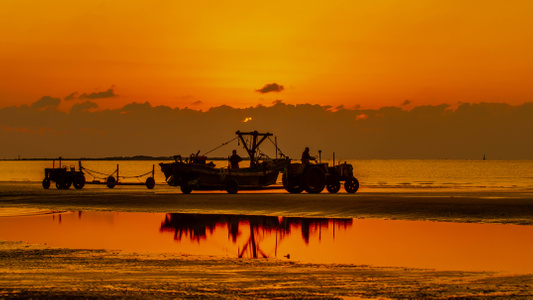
234	159
306	157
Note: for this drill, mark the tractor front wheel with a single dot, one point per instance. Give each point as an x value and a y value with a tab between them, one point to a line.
333	187
351	185
46	183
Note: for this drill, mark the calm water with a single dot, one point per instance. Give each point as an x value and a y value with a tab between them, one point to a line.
413	244
371	173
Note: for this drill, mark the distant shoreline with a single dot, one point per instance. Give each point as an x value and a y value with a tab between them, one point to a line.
137	157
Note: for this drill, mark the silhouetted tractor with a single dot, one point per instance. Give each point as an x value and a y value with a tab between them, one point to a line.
63	177
313	178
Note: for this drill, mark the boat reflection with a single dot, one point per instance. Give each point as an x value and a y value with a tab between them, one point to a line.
195	227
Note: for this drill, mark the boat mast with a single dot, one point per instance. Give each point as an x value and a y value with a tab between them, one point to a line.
254	144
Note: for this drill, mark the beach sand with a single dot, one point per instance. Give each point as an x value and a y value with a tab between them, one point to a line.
40	271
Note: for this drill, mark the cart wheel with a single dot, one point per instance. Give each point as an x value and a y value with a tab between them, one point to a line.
333	187
46	183
232	186
351	185
150	183
186	188
79	181
315	180
111	182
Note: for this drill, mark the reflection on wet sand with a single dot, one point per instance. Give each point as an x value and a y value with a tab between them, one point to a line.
195	227
397	243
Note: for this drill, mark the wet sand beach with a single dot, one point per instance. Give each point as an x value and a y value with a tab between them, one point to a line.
47	272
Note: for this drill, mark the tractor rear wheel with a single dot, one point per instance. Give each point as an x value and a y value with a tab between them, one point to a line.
292	184
315	180
67	184
79	181
60	183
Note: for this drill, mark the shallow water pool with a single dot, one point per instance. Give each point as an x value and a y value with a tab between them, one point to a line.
412	244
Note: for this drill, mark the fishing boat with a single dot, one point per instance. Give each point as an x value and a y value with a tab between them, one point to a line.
194	173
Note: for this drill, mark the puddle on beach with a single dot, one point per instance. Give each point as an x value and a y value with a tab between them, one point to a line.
412	244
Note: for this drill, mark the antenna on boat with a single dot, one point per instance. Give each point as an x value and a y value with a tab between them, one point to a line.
252	147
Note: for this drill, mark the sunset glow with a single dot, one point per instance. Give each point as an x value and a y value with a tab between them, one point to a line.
210	53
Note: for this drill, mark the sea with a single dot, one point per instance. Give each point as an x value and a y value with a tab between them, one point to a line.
398	243
412	174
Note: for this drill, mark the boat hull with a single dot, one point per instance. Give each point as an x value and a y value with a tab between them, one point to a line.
205	177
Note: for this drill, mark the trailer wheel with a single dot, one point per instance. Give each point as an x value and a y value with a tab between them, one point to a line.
186	188
111	182
46	183
351	185
315	180
150	183
79	181
232	186
333	187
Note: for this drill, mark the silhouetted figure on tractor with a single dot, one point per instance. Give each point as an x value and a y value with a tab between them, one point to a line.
234	160
306	157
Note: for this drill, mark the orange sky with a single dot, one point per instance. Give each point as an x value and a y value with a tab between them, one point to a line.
208	53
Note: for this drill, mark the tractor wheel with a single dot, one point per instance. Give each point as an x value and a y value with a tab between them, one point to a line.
111	182
292	184
60	183
333	187
79	181
315	180
67	184
150	183
351	185
232	186
46	183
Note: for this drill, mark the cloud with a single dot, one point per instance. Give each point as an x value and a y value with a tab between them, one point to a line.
196	103
99	95
72	96
406	102
46	102
84	106
426	132
136	107
271	87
